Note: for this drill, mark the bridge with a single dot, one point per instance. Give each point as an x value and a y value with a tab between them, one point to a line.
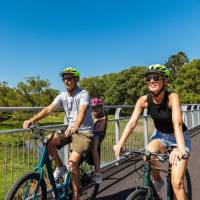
19	155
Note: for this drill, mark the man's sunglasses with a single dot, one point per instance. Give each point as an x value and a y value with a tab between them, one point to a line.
67	78
154	78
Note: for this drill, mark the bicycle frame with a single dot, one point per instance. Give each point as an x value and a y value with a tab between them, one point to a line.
147	183
44	160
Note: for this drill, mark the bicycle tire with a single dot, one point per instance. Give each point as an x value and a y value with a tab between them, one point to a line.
89	189
19	186
188	185
140	194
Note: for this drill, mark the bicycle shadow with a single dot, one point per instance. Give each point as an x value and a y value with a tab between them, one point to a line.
122	195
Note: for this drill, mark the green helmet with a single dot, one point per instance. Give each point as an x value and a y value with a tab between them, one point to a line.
159	69
70	71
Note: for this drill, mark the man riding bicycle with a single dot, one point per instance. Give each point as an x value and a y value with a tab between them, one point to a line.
164	107
76	104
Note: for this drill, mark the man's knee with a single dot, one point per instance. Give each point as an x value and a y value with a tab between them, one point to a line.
54	141
73	166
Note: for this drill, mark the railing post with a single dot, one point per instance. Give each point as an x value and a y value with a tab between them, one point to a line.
192	113
117	124
184	111
145	122
198	115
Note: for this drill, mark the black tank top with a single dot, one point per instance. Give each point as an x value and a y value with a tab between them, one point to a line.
162	114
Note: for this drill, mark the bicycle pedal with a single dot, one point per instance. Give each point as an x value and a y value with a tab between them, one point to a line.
60	180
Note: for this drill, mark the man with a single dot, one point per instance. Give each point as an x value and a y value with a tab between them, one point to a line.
76	104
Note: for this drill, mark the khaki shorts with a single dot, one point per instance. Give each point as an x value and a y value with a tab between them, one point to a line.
80	142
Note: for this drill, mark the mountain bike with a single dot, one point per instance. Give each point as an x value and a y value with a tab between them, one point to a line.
147	190
33	185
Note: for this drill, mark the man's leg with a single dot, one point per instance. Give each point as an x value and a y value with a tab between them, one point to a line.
75	177
52	150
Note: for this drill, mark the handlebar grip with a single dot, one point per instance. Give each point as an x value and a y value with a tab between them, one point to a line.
32	125
185	156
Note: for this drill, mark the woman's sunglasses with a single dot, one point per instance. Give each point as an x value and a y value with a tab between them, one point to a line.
154	78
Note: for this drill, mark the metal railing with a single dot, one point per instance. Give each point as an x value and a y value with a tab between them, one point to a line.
19	153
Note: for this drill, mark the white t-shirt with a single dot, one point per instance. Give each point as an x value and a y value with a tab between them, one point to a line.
71	105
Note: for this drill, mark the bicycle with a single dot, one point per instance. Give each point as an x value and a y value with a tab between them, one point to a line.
33	186
147	190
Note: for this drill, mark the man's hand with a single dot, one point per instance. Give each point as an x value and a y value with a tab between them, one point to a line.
117	149
27	123
70	130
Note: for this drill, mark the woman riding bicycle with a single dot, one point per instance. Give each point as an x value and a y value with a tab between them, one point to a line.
165	109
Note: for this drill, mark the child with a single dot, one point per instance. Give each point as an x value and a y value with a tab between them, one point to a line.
100	122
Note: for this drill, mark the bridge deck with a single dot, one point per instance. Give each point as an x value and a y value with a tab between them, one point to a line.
119	180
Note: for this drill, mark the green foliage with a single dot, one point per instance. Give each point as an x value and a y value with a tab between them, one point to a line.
187	83
117	88
34	92
175	62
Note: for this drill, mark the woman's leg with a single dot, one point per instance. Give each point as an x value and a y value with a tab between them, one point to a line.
177	178
154	146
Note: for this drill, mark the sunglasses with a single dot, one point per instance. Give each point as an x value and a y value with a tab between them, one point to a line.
67	78
154	78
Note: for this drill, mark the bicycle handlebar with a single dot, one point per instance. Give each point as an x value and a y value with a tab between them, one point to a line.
144	152
37	131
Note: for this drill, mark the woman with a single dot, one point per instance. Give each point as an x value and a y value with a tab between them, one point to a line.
165	109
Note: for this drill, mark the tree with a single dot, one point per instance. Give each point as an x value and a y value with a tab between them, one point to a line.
117	88
175	61
187	83
35	92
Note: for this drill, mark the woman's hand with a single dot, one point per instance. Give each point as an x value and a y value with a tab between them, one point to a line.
117	149
176	155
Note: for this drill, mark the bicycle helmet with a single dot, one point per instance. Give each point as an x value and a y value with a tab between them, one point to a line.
96	102
159	69
70	71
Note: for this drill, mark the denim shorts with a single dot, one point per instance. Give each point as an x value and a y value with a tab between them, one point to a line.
170	140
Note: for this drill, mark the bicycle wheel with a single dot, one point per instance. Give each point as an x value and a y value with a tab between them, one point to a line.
25	188
88	188
140	194
188	185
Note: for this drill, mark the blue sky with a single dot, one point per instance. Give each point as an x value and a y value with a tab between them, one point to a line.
98	36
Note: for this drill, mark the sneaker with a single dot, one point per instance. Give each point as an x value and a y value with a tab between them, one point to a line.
158	186
59	171
98	178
